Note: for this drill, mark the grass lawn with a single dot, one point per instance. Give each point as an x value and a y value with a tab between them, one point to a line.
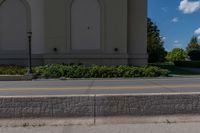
175	70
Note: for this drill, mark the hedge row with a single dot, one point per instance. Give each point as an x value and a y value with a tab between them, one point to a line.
195	64
81	71
12	70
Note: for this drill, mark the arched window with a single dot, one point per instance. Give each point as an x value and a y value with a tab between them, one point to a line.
13	26
85	25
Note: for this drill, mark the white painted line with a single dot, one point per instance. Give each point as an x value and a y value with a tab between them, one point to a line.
105	87
106	95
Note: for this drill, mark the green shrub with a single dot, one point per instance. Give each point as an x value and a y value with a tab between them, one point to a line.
81	71
94	71
12	70
195	64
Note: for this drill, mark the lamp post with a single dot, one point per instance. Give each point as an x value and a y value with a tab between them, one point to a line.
29	35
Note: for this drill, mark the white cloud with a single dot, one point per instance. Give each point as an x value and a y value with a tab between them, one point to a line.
187	6
175	20
197	31
164	38
176	41
164	9
198	37
178	45
167	49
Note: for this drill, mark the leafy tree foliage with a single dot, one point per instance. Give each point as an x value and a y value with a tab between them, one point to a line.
194	55
177	54
193	45
155	44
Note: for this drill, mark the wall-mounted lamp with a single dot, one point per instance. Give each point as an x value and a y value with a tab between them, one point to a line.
116	49
55	49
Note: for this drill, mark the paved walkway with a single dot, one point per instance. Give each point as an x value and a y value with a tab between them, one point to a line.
123	128
177	125
94	86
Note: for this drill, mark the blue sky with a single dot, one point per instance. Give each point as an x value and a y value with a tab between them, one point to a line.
178	20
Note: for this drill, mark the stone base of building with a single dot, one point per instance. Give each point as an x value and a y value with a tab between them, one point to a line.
87	59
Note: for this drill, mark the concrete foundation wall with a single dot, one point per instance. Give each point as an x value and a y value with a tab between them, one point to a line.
20	59
100	105
88	59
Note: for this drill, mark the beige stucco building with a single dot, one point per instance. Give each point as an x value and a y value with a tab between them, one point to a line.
109	32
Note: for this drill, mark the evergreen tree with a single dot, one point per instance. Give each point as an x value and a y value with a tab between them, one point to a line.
193	45
155	43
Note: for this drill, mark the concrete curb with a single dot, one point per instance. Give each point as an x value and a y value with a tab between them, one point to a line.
99	105
15	78
28	78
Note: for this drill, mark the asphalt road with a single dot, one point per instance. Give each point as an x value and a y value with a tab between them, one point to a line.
94	86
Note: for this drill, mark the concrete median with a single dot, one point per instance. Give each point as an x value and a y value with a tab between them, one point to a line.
99	105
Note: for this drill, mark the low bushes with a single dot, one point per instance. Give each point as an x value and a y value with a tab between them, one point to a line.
194	64
12	70
81	71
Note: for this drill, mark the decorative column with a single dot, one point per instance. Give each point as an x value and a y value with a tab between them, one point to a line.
137	32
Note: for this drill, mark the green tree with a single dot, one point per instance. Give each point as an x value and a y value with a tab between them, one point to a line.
155	43
193	44
1	2
177	54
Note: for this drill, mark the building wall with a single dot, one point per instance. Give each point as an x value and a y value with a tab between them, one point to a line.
85	25
113	15
137	32
17	18
113	24
13	27
21	16
121	36
37	26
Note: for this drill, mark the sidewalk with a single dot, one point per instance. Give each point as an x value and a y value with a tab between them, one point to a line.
59	126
